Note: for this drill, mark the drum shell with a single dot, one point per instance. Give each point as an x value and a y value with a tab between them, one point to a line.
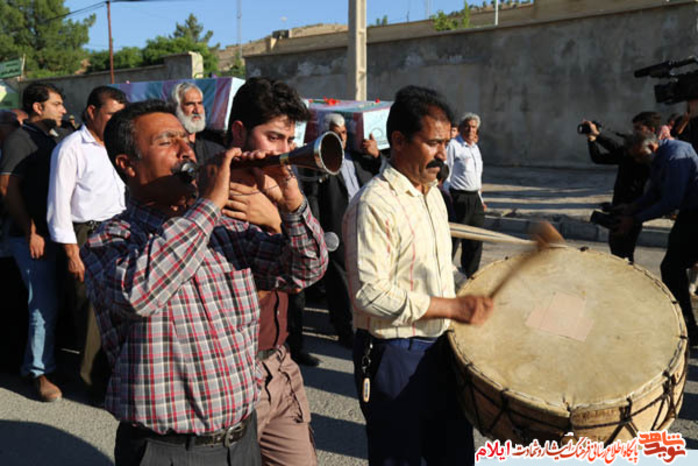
503	413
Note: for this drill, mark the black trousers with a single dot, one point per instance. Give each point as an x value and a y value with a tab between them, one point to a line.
94	367
296	306
681	254
624	245
413	412
337	293
469	210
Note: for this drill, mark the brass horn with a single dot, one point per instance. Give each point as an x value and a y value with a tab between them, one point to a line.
324	154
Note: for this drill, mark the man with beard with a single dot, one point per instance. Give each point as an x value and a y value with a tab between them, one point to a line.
24	179
188	101
85	190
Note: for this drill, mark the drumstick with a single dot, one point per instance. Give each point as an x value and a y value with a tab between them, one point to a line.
480	234
545	236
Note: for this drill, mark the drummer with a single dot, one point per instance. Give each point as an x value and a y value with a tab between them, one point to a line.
398	258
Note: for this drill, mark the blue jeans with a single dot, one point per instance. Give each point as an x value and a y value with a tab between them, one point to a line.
39	277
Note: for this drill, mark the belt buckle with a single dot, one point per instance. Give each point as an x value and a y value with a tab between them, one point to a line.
229	436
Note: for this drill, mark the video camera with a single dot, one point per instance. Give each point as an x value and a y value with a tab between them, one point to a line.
680	88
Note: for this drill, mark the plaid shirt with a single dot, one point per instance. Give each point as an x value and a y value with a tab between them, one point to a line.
177	309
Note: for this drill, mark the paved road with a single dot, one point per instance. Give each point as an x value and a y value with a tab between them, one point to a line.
71	432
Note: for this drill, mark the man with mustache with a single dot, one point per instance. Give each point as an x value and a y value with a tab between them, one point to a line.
401	284
174	285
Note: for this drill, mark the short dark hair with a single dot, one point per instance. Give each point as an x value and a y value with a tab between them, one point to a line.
649	119
101	94
260	100
38	92
410	105
120	132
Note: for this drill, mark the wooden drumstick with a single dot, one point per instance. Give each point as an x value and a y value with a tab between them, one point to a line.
481	234
545	236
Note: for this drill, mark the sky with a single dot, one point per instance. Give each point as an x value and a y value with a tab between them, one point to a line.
136	21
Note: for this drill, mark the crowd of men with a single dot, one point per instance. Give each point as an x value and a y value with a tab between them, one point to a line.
187	293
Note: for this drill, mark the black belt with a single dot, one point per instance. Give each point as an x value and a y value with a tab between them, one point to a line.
90	224
225	437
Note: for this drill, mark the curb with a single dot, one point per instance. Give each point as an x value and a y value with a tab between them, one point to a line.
575	229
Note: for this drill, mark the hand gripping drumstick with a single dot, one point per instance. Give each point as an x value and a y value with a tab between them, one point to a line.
544	236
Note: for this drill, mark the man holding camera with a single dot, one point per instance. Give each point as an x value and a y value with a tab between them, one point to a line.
673	185
631	177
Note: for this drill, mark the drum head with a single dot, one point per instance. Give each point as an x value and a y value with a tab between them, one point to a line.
573	330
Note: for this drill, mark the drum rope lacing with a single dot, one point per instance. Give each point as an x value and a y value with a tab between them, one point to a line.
626	413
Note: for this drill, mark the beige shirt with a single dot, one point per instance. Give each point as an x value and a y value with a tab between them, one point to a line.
398	255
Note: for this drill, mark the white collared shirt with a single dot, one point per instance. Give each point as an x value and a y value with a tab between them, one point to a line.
465	162
83	186
398	255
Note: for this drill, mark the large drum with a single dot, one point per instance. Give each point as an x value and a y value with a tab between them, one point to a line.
579	342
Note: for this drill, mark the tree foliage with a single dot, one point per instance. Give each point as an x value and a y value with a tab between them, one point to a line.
127	57
456	20
186	37
37	29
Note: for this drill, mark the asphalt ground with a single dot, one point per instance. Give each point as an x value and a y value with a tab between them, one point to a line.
72	432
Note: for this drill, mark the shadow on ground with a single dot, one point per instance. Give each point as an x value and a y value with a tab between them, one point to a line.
352	442
28	443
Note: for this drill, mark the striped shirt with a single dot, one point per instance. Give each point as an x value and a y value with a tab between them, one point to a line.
398	255
177	309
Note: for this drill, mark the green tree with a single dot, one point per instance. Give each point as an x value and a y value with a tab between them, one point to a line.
127	57
456	20
38	30
187	37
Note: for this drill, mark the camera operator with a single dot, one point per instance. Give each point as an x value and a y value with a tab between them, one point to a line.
673	185
686	128
631	176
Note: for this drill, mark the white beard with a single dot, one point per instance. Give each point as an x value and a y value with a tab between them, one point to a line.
190	125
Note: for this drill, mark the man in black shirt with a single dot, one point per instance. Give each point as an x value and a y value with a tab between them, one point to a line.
631	178
24	179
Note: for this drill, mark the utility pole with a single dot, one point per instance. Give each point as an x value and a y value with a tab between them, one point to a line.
240	31
111	44
496	12
356	59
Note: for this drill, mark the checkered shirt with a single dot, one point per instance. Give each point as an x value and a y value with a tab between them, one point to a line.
177	309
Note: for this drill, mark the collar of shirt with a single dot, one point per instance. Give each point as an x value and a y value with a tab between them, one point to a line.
148	217
87	136
462	141
32	127
401	183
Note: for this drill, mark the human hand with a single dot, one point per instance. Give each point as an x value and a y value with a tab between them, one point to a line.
37	245
214	178
370	146
248	204
472	309
76	268
624	224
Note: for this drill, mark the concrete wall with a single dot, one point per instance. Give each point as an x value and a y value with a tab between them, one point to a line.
78	87
531	82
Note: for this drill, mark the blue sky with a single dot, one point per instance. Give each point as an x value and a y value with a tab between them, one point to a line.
133	22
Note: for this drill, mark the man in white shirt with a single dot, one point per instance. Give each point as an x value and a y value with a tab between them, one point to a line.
402	290
465	184
84	190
